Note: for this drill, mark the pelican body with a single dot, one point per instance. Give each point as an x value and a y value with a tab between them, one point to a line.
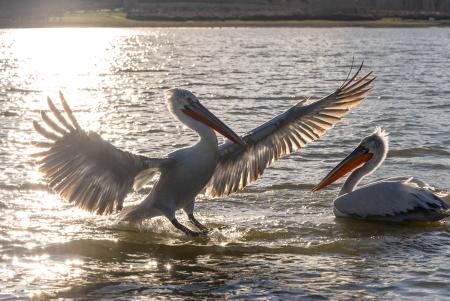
392	200
96	176
187	170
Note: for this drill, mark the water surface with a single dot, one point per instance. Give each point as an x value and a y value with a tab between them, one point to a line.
275	240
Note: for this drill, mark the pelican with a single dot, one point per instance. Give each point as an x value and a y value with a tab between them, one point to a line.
392	200
96	176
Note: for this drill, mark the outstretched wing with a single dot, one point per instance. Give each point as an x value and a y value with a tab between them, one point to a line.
82	167
284	134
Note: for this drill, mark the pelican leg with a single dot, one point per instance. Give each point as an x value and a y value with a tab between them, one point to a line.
185	229
189	209
196	223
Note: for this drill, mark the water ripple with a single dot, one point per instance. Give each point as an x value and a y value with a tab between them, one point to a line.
275	240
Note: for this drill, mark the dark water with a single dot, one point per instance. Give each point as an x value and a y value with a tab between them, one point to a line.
275	240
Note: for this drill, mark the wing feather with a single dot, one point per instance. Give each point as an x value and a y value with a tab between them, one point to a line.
85	169
284	134
58	115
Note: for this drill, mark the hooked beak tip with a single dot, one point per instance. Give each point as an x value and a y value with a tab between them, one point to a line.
238	140
242	142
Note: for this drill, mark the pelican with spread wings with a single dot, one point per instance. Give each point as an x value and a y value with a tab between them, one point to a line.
96	176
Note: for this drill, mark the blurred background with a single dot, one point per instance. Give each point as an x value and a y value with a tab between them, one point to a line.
28	11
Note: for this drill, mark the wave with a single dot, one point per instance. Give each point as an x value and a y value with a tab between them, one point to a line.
141	70
23	90
9	114
25	186
263	99
104	249
417	152
443	106
289	186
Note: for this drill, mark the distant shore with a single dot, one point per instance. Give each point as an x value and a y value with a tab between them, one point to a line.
119	19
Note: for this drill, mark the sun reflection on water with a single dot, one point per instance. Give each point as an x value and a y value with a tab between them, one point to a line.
70	58
38	270
74	61
45	61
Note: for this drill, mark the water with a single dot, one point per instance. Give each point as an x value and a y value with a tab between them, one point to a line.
275	240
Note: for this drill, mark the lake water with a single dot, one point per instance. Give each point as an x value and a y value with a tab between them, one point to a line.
275	240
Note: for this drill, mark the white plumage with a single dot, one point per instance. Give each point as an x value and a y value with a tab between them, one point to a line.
394	200
96	176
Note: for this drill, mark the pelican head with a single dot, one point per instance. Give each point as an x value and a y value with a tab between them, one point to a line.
188	109
371	152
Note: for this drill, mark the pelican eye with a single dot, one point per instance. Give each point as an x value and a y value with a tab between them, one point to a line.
365	148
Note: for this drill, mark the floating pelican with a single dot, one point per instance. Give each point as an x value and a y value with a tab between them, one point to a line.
96	176
394	200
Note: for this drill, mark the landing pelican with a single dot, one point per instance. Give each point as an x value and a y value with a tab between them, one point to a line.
393	200
96	176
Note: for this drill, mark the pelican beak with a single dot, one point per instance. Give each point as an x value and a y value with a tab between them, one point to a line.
198	112
359	156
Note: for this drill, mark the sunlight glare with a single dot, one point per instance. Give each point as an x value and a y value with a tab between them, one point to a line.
59	58
151	264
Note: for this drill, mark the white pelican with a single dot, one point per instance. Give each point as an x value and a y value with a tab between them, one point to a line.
393	200
96	176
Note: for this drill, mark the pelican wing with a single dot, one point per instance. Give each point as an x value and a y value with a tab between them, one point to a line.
284	134
85	169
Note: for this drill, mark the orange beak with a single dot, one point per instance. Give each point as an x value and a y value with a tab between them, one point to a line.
359	156
198	112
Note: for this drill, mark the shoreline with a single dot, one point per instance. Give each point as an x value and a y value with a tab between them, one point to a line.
118	19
